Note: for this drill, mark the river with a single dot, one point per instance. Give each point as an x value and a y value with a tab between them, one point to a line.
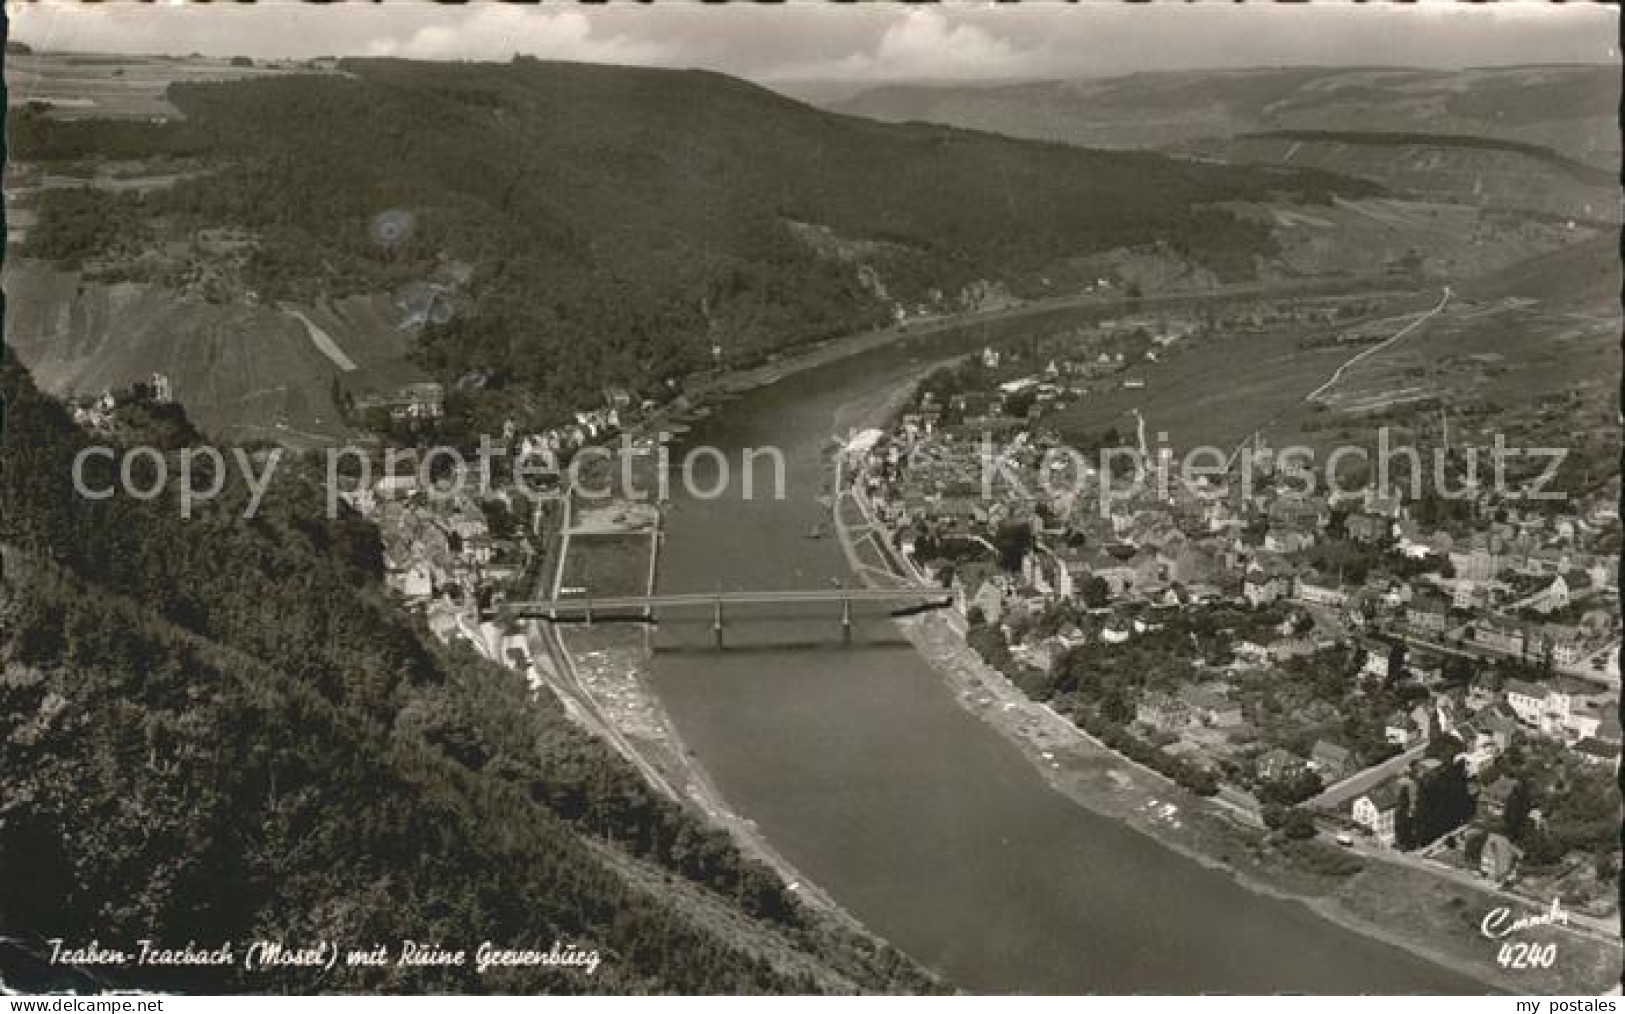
862	770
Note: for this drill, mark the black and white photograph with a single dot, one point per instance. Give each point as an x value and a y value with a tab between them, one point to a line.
811	498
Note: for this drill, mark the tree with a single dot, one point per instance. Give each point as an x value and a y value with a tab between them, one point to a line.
1054	618
1606	866
1472	850
1540	847
1516	813
1404	825
1095	592
1017	405
1458	669
1443	802
1291	789
393	759
1115	706
1013	540
1442	746
1299	824
1396	662
988	641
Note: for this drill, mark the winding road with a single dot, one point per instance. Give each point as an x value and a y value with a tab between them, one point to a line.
1380	346
1337	375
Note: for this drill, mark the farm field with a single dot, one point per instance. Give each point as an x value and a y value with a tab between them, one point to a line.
1532	353
1486	369
1181	397
1268	374
243	371
1446	240
1473	176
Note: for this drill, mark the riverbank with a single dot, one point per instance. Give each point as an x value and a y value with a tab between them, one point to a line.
602	675
1429	916
610	665
770	555
1409	908
605	687
701	394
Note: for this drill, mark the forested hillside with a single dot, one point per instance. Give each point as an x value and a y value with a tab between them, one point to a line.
613	223
218	730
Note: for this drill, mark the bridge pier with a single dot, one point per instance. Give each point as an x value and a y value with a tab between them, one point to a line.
646	607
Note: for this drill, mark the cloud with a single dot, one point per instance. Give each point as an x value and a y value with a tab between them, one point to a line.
861	43
494	32
926	44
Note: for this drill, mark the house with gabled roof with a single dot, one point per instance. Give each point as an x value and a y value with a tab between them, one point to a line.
1527	700
1428	614
989	598
1499	858
1499	635
1162	711
1319	590
1330	761
1260	587
1211	707
1498	722
1366	528
1277	764
1492	801
1596	751
1376	811
1401	729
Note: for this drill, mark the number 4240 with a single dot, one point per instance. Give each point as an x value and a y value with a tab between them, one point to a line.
1526	955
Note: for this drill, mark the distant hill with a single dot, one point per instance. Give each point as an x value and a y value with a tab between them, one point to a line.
1570	109
611	224
1484	172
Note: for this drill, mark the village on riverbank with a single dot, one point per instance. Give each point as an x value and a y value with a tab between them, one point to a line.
1403	710
1423	687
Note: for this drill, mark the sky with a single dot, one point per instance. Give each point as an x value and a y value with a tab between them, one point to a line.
824	42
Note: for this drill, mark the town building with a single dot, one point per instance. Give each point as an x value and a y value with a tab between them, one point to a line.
1376	810
1330	761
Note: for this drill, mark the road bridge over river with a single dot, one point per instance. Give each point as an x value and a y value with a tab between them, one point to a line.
647	608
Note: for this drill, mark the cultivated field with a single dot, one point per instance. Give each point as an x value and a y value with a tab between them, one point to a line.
1531	352
1525	338
78	85
243	370
1220	390
1448	240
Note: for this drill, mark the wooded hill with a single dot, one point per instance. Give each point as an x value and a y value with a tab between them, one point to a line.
619	221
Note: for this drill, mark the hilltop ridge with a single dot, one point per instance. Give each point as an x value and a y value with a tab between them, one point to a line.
592	224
